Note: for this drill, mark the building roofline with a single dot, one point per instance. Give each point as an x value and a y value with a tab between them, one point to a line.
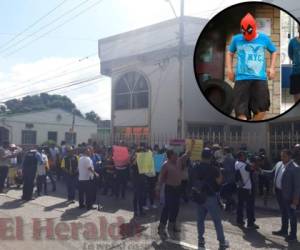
39	111
151	27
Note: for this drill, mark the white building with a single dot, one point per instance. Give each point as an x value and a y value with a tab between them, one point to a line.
144	68
41	126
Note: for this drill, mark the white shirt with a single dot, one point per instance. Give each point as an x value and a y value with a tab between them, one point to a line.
54	152
241	166
4	153
84	164
14	161
41	169
279	170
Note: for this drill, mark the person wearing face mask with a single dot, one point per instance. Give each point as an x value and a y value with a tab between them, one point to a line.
251	92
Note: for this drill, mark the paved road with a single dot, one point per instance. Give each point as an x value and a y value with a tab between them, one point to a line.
48	222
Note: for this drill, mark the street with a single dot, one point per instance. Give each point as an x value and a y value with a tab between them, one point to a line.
48	222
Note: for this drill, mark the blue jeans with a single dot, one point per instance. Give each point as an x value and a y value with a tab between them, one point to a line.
212	207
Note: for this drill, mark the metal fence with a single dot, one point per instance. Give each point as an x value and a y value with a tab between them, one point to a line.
280	140
272	142
233	140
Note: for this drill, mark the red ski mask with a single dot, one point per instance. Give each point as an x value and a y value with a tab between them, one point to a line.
248	27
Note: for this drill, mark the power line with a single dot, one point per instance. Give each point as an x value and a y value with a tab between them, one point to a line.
83	59
51	78
57	27
44	26
74	84
89	39
158	44
58	87
30	83
80	87
66	65
58	69
33	24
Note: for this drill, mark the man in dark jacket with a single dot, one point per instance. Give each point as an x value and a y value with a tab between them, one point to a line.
287	189
29	167
209	178
263	180
69	165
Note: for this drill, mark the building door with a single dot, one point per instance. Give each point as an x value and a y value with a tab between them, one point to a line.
4	135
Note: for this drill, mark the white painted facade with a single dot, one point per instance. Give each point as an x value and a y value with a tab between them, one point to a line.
52	120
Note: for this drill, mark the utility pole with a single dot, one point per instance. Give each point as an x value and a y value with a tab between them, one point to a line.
180	125
72	129
180	121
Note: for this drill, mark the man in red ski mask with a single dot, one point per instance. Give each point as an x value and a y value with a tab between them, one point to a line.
248	27
251	92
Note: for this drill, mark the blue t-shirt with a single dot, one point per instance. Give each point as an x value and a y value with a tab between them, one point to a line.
251	60
294	55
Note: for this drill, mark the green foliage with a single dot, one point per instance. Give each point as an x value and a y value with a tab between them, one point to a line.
41	102
92	116
45	101
49	143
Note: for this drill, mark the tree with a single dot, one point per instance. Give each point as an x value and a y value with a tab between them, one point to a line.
41	102
92	116
3	108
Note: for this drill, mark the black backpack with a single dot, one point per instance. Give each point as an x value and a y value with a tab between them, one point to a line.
199	185
30	159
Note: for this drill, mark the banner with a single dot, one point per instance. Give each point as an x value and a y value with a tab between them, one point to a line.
197	148
145	162
120	156
159	160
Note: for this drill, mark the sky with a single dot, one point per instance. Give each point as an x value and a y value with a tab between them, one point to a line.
38	54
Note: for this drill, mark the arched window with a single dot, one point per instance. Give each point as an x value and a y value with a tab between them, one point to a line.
131	92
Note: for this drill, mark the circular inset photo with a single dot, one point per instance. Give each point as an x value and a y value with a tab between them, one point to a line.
247	61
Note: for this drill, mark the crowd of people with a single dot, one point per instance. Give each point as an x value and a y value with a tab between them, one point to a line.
222	179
